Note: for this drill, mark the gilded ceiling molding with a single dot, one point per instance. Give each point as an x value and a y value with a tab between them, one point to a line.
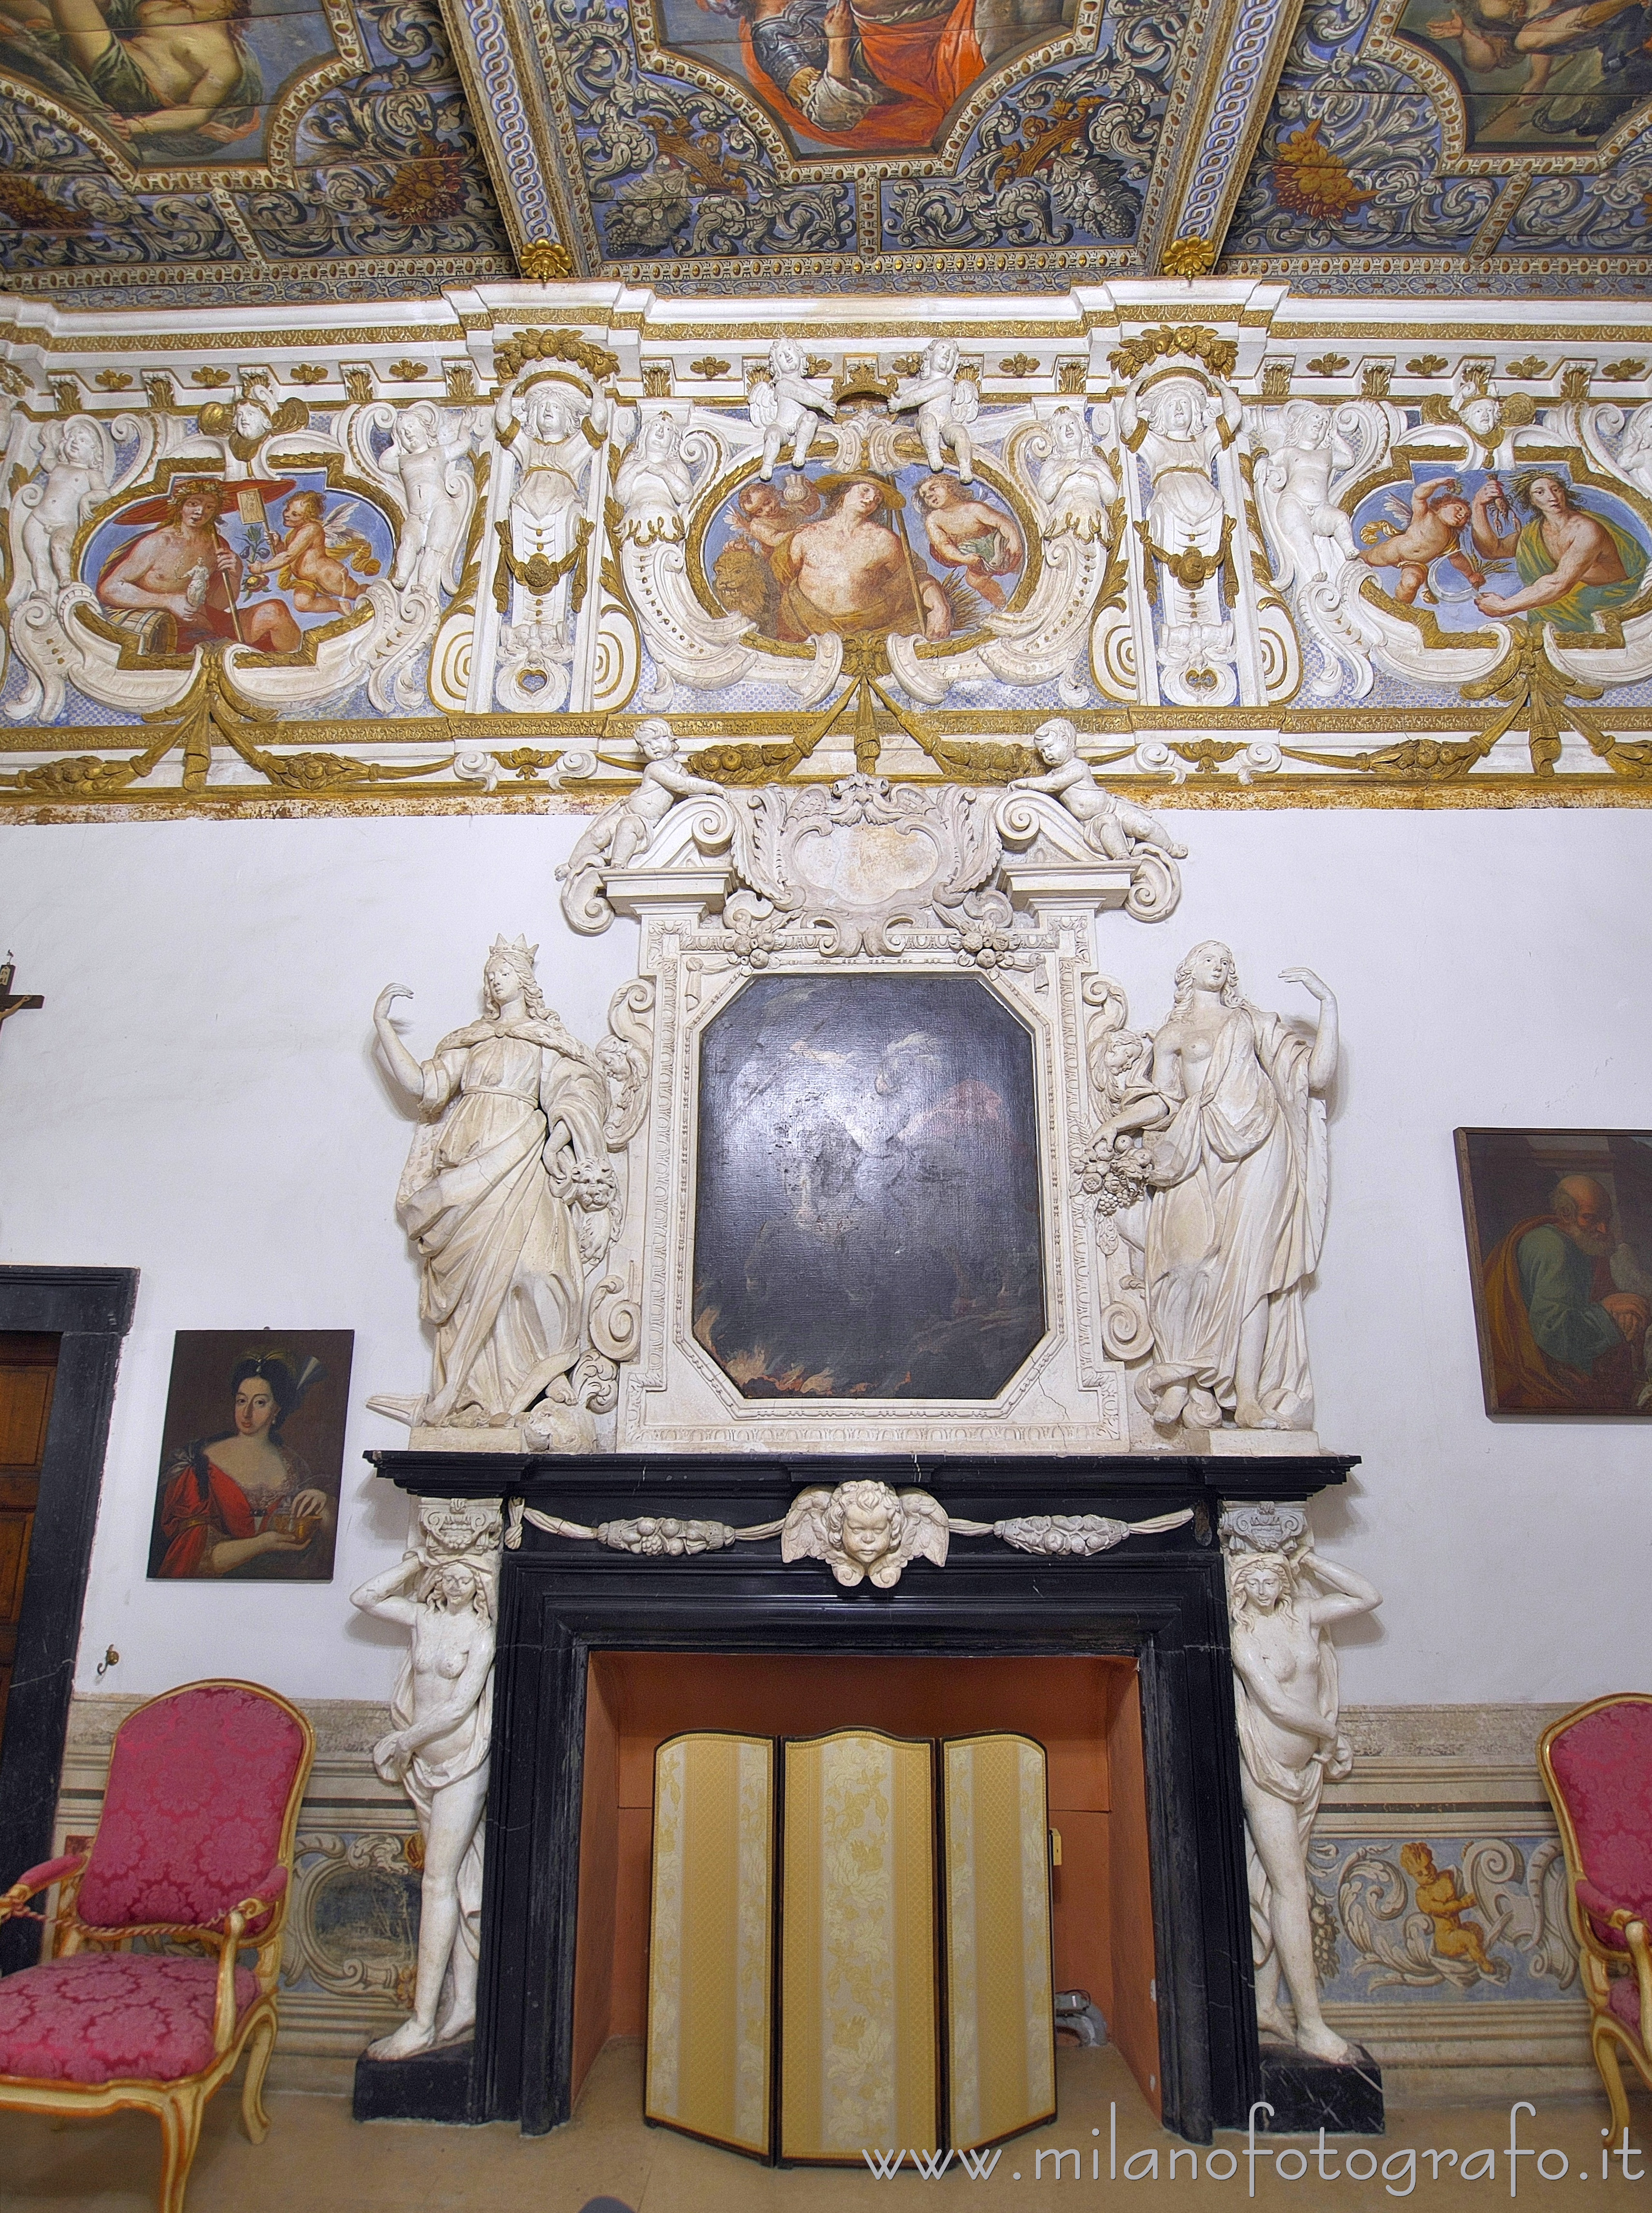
1244	61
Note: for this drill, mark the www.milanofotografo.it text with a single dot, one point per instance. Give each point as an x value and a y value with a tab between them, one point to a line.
1326	2164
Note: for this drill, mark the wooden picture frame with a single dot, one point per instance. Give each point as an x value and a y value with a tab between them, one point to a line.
264	1508
1559	1230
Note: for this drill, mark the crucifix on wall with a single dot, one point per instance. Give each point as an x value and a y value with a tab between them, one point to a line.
12	1003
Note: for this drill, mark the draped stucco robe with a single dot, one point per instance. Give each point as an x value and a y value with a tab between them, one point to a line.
1236	1217
488	1199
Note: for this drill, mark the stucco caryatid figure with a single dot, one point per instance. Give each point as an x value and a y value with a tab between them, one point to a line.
1074	481
654	483
1179	424
786	402
1283	1600
550	426
621	832
510	1199
946	404
442	1591
1232	1118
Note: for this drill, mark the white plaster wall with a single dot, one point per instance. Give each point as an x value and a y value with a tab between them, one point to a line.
198	1100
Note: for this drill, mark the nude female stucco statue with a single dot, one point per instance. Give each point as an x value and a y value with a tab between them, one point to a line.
443	1591
1235	1128
1287	1701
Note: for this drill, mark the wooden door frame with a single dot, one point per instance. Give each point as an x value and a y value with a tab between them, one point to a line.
89	1310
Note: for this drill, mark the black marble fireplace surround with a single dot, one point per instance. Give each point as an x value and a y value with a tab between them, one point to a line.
1159	1599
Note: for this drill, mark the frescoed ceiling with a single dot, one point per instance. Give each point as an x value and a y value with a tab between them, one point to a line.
238	150
229	151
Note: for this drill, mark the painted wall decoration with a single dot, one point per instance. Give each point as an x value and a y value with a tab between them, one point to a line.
487	572
252	1456
1473	544
914	554
1559	1225
256	561
866	1204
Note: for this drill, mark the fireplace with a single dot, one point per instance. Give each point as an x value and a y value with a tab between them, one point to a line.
1118	1660
1085	1711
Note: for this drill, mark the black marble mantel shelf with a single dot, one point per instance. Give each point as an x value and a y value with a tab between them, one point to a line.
969	1485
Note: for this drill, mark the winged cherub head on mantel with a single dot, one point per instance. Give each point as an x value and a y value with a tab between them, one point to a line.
864	1530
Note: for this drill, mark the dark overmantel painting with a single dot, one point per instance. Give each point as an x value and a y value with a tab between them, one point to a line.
867	1209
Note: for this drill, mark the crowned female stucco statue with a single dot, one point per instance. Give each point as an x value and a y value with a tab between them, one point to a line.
508	1197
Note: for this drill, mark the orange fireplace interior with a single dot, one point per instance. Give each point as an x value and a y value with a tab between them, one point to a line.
1085	1711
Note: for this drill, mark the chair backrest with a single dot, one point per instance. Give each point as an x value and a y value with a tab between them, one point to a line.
199	1808
1600	1759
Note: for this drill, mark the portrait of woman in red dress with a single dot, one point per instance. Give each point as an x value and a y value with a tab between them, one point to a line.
244	1502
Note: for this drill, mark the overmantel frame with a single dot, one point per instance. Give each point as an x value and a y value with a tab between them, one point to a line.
697	952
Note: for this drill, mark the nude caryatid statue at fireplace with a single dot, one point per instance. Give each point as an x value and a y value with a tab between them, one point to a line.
442	1591
1283	1599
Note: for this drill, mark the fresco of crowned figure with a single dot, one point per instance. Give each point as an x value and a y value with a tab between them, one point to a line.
872	75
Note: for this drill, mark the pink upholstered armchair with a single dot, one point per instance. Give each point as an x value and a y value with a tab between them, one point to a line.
194	1845
1597	1768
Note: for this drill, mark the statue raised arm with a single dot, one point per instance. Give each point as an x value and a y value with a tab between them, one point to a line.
1287	1704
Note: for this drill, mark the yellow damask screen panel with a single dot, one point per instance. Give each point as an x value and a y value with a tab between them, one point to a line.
711	1940
858	2007
1000	2004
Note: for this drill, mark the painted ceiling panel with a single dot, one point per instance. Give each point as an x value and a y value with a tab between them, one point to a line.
256	150
1503	144
215	148
709	129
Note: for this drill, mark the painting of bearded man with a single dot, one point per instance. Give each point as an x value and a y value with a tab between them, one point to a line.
1563	1294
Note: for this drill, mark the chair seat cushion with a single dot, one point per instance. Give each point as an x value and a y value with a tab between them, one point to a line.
1623	1998
105	2017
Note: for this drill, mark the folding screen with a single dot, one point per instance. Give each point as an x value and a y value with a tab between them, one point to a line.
711	1955
862	1961
858	2028
994	1853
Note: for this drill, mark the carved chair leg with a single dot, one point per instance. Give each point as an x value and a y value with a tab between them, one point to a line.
1605	2041
260	2045
180	2132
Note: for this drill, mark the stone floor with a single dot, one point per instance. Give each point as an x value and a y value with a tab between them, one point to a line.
317	2160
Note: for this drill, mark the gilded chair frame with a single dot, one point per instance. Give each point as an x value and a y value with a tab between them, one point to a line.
178	2105
1599	1962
